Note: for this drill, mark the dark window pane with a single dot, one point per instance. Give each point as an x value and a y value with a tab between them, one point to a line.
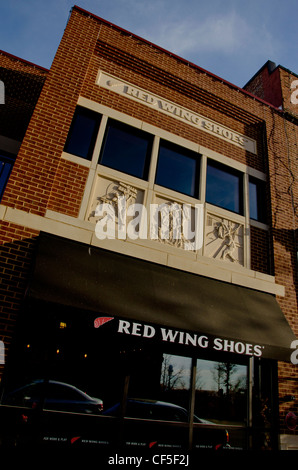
221	391
82	133
163	396
178	169
6	164
126	149
257	201
224	187
253	201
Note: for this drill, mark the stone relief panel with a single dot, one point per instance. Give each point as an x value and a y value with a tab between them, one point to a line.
166	221
224	239
173	224
117	195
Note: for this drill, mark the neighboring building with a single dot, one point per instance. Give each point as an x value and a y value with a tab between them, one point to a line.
148	250
278	86
21	83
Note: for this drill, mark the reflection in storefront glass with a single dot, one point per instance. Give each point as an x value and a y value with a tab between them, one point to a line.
175	373
221	391
159	387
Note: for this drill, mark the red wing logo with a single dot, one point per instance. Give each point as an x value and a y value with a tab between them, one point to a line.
99	321
74	439
152	444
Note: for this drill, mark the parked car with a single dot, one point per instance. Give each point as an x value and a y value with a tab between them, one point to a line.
54	395
207	436
59	414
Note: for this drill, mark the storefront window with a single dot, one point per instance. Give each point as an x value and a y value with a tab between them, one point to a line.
103	385
162	383
221	391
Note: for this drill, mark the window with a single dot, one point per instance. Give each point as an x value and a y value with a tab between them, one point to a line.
257	200
224	187
126	149
157	388
6	164
221	391
178	169
82	133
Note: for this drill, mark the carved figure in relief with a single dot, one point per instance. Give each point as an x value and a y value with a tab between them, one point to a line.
171	233
227	231
170	223
174	223
120	190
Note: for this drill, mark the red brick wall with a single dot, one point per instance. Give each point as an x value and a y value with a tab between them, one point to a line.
266	85
16	251
158	73
68	188
282	143
260	250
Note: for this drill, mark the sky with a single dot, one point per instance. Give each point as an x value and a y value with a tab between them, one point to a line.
232	39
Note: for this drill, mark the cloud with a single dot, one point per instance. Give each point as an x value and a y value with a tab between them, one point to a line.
226	34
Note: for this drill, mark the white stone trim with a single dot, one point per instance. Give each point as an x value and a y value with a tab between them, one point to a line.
75	159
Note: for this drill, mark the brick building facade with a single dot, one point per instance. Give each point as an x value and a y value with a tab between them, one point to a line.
228	156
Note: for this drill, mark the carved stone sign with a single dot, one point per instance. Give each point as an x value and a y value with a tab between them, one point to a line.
175	111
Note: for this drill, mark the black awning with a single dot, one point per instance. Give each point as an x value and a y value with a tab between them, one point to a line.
81	276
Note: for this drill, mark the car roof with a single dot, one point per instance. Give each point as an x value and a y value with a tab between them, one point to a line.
154	402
